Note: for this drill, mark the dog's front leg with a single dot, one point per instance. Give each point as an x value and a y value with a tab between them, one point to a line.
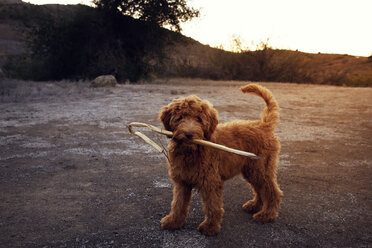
179	208
212	200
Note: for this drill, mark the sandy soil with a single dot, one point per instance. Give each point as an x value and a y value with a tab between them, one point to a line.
72	176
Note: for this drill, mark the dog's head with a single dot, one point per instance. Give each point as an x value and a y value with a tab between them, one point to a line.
189	118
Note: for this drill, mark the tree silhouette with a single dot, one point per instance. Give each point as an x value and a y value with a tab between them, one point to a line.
164	13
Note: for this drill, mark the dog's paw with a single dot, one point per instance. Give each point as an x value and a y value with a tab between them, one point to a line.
209	229
251	206
170	223
265	216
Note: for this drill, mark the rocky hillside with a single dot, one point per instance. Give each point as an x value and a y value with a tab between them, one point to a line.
16	16
190	58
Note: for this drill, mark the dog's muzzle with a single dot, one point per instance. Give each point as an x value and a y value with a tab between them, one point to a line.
183	137
186	132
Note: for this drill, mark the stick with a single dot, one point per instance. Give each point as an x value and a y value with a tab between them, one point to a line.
144	137
196	141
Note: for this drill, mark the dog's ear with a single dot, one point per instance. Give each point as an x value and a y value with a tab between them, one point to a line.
165	116
212	120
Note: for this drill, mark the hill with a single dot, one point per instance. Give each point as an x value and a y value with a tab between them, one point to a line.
267	64
16	16
189	58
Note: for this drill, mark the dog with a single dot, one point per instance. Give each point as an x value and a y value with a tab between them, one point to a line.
192	166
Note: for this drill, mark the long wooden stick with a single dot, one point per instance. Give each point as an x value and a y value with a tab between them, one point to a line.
196	141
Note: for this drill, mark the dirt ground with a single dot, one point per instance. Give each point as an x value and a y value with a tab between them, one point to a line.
72	176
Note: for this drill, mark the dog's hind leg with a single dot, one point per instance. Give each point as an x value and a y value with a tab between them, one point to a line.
179	208
271	197
269	191
254	205
266	202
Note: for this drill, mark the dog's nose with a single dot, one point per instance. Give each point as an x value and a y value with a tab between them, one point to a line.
189	135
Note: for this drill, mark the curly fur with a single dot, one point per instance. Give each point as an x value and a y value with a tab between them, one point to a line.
205	169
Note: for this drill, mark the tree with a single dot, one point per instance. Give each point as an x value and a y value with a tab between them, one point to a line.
163	13
88	43
127	41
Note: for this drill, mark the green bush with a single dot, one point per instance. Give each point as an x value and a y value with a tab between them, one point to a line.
90	43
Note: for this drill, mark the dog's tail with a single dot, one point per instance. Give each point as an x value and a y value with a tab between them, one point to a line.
270	115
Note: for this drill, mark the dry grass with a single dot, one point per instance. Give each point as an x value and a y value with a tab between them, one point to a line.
196	60
22	91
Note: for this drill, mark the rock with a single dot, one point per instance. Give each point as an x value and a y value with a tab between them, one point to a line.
104	81
2	74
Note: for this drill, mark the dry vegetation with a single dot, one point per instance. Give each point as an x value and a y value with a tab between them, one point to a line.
267	64
183	57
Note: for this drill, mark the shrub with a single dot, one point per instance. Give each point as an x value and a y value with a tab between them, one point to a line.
360	81
87	44
370	59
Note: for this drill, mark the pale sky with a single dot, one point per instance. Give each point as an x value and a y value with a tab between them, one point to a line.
326	26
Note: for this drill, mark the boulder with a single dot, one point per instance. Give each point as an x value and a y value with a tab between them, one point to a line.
2	74
104	81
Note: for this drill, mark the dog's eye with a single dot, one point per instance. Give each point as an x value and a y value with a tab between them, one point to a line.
180	118
200	119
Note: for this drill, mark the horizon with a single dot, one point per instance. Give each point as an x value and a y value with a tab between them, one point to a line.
332	27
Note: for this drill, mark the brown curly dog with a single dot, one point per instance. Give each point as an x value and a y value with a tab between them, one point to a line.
194	166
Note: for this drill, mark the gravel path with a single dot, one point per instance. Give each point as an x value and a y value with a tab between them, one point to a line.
72	176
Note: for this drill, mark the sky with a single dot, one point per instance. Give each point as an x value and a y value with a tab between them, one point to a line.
325	26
